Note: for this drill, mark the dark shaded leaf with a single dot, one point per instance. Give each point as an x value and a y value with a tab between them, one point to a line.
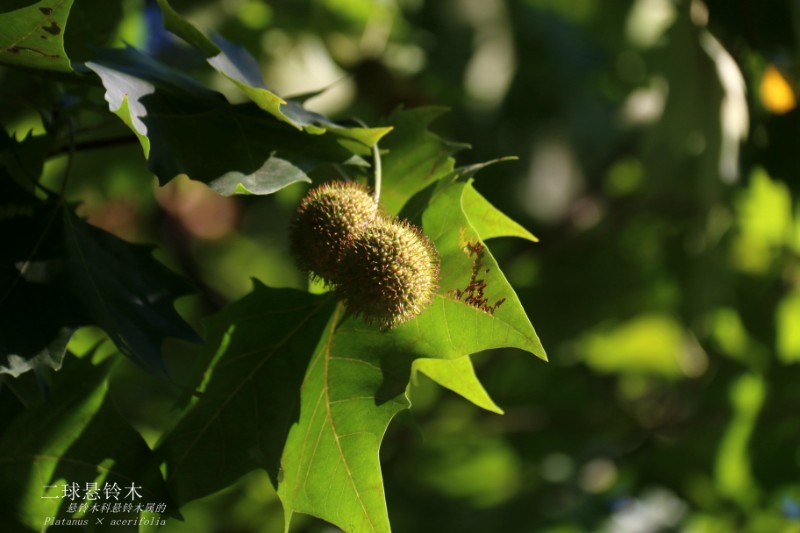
259	349
76	437
124	290
38	314
185	128
23	160
236	64
92	24
60	273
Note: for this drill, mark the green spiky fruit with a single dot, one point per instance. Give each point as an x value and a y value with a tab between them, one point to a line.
327	220
390	273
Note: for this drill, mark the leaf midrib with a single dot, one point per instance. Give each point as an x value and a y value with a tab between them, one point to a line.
325	397
327	355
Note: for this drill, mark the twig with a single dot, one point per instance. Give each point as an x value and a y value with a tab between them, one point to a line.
93	145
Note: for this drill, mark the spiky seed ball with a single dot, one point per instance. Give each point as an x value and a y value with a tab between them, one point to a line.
325	223
390	273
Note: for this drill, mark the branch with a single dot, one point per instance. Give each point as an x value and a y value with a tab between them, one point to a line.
94	145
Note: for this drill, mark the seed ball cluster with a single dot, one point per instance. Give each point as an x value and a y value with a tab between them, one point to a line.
386	270
391	273
324	224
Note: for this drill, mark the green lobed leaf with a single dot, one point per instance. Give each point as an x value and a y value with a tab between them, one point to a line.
305	390
459	374
308	396
292	391
486	220
33	36
461	377
75	437
475	308
185	128
359	374
330	466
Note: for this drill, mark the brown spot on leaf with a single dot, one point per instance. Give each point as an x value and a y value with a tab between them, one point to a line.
47	11
440	158
473	293
18	49
52	29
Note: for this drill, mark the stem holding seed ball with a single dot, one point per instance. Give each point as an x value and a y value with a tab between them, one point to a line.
376	158
376	155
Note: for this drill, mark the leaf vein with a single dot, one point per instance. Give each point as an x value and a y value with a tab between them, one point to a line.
215	416
325	389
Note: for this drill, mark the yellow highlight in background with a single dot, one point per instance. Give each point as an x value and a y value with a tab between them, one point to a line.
776	93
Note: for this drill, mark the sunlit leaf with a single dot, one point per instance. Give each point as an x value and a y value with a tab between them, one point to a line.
475	307
330	466
764	218
459	376
488	221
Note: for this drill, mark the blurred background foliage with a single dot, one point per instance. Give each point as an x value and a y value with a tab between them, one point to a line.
658	164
